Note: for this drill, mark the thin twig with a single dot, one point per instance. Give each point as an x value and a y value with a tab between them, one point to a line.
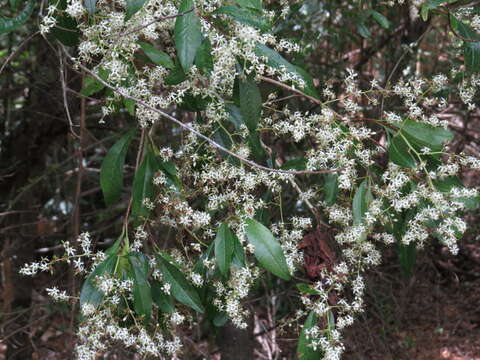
290	88
153	22
15	53
196	132
65	101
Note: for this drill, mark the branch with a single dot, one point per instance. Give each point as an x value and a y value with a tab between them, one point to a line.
196	132
290	88
153	22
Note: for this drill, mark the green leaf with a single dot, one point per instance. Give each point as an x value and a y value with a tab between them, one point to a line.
361	201
129	105
307	289
9	24
250	103
244	16
180	288
224	246
380	19
268	251
133	6
238	253
176	76
330	188
400	153
255	144
426	134
163	301
158	57
89	293
204	59
170	172
188	35
113	250
143	186
432	5
253	4
363	30
304	351
275	60
234	115
142	295
91	86
90	5
447	184
471	49
111	173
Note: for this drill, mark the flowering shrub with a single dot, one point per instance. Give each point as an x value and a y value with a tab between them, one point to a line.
214	75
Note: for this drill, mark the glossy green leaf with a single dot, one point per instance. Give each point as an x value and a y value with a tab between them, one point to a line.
188	35
111	173
330	188
133	6
275	60
399	152
176	76
143	187
204	59
89	293
304	351
423	134
91	6
234	115
180	288
158	57
268	251
238	258
244	16
250	103
162	300
9	24
224	246
142	295
362	199
113	250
